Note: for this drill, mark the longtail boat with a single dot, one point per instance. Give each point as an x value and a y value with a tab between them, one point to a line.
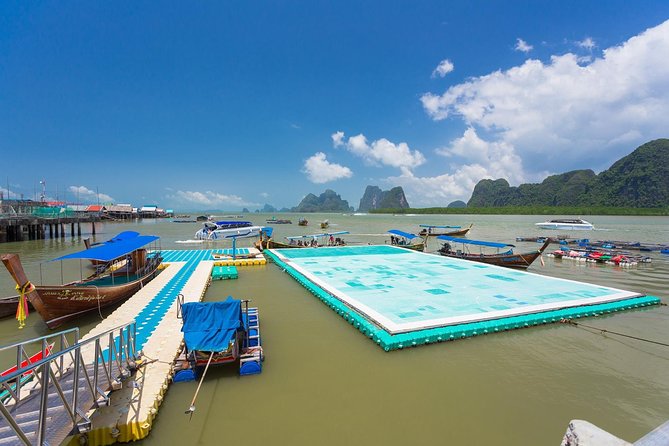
434	230
406	240
58	304
8	306
507	258
25	377
304	241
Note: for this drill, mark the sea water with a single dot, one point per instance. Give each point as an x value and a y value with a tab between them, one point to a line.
325	383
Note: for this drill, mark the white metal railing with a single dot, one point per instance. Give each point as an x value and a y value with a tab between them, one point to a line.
28	388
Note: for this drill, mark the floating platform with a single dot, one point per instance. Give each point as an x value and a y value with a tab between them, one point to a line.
132	409
237	257
224	272
401	298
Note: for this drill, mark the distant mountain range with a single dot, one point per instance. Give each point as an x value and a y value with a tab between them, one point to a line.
328	201
375	198
638	180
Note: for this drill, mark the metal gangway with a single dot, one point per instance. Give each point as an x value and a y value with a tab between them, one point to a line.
48	398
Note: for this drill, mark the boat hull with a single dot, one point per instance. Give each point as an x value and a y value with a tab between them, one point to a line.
564	227
509	260
62	303
8	306
433	233
521	261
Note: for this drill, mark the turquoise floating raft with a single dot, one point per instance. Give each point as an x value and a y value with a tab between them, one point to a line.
431	308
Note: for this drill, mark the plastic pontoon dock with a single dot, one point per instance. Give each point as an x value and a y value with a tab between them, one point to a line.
132	409
401	298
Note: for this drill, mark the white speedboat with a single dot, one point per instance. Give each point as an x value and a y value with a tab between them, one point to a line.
566	224
221	230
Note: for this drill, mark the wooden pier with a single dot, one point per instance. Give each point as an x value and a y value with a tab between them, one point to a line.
18	229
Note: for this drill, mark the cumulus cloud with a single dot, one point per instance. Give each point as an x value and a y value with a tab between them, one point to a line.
473	160
523	46
444	67
439	190
337	139
588	43
209	198
82	193
319	170
382	151
563	115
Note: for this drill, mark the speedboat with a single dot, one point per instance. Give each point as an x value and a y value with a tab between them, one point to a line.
566	224
220	230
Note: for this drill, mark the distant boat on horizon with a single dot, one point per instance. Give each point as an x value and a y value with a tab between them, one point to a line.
566	224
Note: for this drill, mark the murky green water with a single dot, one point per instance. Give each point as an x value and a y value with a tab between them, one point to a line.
323	382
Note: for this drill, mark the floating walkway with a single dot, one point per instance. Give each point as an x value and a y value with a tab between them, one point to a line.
132	409
401	298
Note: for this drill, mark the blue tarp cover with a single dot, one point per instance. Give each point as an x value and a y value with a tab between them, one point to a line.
473	242
211	326
112	249
406	235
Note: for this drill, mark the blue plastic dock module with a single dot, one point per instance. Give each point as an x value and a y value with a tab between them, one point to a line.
224	273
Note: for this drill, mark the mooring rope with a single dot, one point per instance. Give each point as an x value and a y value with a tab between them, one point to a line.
602	330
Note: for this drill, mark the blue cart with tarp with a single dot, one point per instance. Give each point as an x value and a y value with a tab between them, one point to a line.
220	333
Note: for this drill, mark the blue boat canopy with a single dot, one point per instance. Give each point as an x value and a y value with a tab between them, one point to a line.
406	235
442	227
113	248
210	326
473	242
325	234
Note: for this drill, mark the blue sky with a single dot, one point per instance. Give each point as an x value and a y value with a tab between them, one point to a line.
224	105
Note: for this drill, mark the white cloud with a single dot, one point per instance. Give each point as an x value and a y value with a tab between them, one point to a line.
264	194
320	170
82	193
480	159
523	46
383	152
562	115
337	139
444	67
588	43
209	198
439	190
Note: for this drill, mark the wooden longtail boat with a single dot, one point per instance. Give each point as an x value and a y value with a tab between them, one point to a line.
303	241
58	304
8	306
433	231
303	222
507	258
405	239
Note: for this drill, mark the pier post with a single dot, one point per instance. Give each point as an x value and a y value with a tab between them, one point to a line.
93	227
50	230
79	229
72	229
62	230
